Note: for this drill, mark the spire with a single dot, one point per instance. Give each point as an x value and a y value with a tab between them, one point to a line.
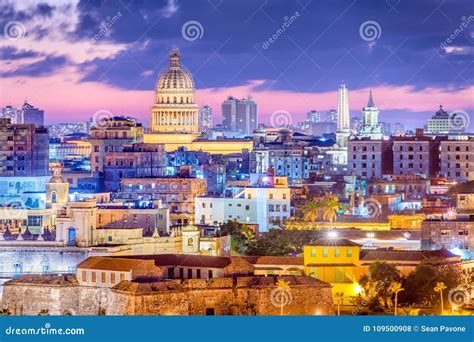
370	103
175	58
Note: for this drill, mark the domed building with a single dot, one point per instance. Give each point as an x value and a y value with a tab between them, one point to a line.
174	109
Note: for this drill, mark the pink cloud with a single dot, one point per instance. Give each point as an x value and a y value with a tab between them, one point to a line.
65	98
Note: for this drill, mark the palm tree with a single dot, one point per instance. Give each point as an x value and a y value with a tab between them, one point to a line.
311	211
330	208
339	300
439	288
396	287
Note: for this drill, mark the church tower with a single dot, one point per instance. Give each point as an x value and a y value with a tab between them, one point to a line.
57	191
371	127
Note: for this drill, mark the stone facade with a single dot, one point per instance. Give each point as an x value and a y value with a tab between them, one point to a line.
250	295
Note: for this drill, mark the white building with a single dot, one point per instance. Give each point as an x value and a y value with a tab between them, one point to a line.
265	203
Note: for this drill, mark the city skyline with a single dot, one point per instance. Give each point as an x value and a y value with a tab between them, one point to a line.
120	49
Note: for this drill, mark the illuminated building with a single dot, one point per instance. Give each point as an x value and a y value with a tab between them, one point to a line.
205	119
32	115
418	154
24	149
69	150
15	115
440	122
343	121
266	203
111	135
370	159
370	126
174	109
240	116
176	192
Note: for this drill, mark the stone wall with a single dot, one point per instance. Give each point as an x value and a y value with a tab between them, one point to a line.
253	295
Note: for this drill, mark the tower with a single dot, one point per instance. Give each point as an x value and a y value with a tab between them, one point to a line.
371	127
343	123
190	239
174	110
57	191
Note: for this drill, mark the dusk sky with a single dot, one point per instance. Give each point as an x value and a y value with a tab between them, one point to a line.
64	58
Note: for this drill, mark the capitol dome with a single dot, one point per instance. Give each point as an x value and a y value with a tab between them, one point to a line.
174	109
175	77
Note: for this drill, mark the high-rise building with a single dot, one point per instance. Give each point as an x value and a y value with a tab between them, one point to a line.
331	116
313	116
240	115
174	110
15	115
370	125
205	118
32	115
343	121
24	150
439	123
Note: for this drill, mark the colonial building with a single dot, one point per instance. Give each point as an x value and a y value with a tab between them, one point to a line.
418	154
111	135
370	159
178	193
456	159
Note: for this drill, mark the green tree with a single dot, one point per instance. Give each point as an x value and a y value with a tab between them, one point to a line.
381	275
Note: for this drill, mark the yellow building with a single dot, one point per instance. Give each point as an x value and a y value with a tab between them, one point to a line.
335	261
193	142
